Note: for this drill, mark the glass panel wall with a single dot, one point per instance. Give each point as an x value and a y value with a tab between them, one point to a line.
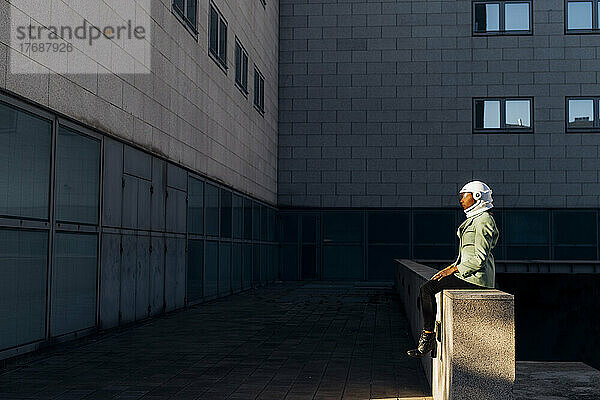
211	269
212	241
238	216
77	177
212	210
23	266
25	150
74	282
225	213
574	235
434	235
195	270
527	234
196	206
247	219
389	239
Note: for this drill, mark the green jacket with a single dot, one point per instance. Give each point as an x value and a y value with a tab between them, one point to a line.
478	235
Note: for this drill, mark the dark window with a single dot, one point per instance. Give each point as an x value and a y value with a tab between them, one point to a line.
241	67
255	221
342	227
238	216
213	24
73	283
224	268
309	228
434	235
211	200
25	148
503	115
225	213
264	222
77	177
582	114
309	262
23	272
186	10
247	218
247	266
236	267
271	225
502	17
195	269
259	90
388	227
211	269
288	268
527	234
289	228
196	206
217	40
255	264
574	235
343	263
582	16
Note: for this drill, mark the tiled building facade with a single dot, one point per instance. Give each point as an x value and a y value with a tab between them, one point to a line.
396	104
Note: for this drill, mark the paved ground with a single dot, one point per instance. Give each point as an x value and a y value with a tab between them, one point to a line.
547	380
287	341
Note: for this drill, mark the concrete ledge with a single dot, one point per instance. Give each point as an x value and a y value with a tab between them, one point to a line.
475	333
476	359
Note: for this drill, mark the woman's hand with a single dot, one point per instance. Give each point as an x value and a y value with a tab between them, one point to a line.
443	273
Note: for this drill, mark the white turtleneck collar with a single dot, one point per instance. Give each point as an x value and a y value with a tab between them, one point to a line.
477	208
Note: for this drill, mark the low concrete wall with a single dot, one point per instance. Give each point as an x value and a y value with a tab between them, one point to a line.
476	337
408	278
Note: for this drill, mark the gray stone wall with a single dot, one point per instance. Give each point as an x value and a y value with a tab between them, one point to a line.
186	109
376	106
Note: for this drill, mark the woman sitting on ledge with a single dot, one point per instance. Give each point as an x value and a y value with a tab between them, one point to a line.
473	269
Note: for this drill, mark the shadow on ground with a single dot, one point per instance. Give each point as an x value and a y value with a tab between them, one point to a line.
288	341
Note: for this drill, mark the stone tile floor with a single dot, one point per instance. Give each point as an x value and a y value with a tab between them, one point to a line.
288	341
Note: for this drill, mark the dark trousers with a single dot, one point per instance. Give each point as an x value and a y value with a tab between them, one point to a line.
431	287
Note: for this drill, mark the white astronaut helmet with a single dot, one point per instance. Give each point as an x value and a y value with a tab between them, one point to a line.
482	194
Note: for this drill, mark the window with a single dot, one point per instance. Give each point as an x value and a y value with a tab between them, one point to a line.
186	11
241	67
574	234
211	203
582	114
527	234
225	213
74	283
77	177
502	115
211	268
437	244
25	148
196	206
238	216
255	221
247	218
582	16
23	273
502	17
195	270
217	38
259	90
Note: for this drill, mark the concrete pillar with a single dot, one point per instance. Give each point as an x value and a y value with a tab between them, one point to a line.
476	351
